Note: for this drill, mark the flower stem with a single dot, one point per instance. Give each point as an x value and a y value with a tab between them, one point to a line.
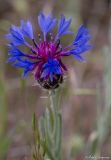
54	126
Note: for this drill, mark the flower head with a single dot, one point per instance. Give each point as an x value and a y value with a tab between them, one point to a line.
45	56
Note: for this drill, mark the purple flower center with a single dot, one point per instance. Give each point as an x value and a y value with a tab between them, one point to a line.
42	52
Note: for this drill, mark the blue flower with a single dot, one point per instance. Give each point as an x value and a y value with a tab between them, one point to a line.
63	26
26	28
46	22
45	57
51	68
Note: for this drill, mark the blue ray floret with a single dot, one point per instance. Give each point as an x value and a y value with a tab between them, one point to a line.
82	36
26	28
25	64
14	53
15	36
46	22
80	43
50	68
63	26
45	56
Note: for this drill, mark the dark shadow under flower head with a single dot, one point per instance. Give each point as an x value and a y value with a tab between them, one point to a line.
45	55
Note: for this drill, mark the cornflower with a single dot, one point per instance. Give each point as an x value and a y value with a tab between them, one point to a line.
44	57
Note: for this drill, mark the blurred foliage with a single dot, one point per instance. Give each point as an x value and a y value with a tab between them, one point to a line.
4	140
75	146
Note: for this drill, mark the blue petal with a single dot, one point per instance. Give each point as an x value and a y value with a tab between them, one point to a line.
80	43
46	22
51	68
25	72
11	59
80	49
63	25
45	73
50	22
81	31
79	58
8	36
51	76
26	28
82	36
56	70
25	64
15	36
14	51
51	61
46	65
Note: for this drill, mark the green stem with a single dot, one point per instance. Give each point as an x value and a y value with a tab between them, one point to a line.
53	127
54	110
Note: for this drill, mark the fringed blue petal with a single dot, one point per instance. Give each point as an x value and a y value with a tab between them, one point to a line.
51	68
79	58
11	59
26	28
46	22
25	72
82	36
15	36
80	49
14	53
80	43
46	72
63	26
25	64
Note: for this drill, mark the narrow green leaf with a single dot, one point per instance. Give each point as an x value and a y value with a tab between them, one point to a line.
38	140
34	156
34	121
44	147
41	127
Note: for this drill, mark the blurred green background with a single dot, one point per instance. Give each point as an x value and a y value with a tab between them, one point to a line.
86	92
